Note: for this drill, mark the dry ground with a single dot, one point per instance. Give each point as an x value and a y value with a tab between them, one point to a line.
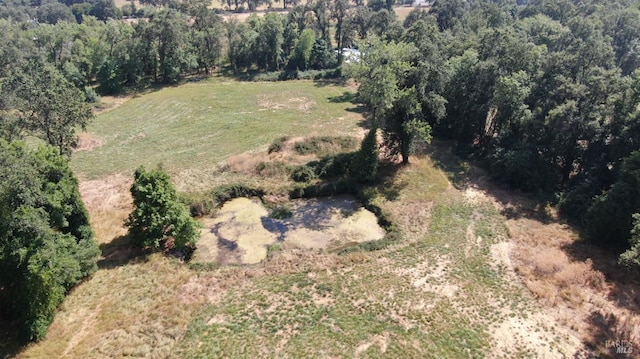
481	271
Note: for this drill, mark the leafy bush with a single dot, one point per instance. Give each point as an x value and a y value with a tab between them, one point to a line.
199	205
608	221
159	218
281	212
632	256
325	189
366	161
335	166
288	75
521	167
273	169
576	202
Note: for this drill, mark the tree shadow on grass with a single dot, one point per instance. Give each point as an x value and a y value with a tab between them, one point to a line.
347	96
352	98
324	82
120	251
610	337
622	287
467	174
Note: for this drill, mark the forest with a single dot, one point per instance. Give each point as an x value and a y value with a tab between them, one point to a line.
544	94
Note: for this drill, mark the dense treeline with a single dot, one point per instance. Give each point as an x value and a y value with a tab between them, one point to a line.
46	242
546	94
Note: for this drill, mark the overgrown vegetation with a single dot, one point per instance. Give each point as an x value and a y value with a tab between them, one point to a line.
324	145
46	242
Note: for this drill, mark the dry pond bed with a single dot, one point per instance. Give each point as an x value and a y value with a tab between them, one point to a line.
243	228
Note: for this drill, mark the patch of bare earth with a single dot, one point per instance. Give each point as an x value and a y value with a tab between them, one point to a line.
88	141
285	101
583	312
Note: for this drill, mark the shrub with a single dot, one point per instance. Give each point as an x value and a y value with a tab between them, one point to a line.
609	219
303	173
227	192
159	218
281	212
324	145
575	203
278	144
200	205
335	166
632	256
521	167
273	169
46	242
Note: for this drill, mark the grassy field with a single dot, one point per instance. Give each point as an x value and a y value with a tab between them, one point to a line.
464	280
200	124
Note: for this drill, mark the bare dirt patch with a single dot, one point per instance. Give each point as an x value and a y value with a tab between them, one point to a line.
285	101
572	281
579	293
88	141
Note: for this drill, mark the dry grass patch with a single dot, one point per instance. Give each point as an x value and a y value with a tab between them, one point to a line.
286	100
142	317
582	297
109	202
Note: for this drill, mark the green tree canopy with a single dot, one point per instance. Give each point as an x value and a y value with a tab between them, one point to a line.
159	219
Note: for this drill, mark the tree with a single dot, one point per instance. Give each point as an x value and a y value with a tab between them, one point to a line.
383	74
49	106
240	39
174	56
159	219
267	52
54	12
339	12
321	55
46	242
206	36
300	58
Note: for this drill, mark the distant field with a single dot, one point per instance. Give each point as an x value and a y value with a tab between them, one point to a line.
200	124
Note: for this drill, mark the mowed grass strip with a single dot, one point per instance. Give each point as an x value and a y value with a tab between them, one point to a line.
198	125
